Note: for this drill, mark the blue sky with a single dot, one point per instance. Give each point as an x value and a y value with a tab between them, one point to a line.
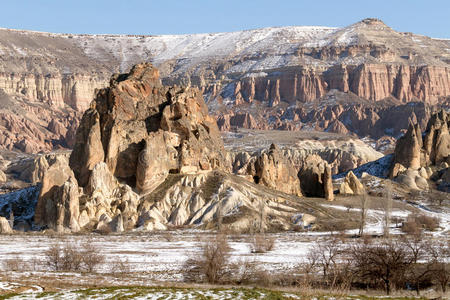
428	17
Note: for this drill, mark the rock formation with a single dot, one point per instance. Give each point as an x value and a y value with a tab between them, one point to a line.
273	170
417	154
5	228
143	130
315	178
414	150
141	137
351	185
408	148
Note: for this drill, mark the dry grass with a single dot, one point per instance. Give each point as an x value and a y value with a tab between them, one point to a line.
261	243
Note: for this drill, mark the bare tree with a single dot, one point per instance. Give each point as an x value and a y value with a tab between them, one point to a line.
385	262
420	269
387	209
212	263
261	216
440	255
328	257
362	221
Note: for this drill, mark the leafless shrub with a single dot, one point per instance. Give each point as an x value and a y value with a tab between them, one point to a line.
415	224
91	257
261	243
12	264
120	266
53	257
69	257
411	227
72	258
428	222
212	264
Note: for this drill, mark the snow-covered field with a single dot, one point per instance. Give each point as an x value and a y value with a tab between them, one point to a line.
161	254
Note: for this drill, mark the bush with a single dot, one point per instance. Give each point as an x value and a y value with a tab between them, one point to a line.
427	222
415	224
12	264
120	266
262	243
212	265
68	257
411	227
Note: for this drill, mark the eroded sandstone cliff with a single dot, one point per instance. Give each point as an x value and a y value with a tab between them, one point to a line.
266	78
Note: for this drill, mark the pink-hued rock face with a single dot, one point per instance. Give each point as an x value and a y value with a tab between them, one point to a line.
142	130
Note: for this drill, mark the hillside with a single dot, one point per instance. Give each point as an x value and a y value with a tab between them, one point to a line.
297	77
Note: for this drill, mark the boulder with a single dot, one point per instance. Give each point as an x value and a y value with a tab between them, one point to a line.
5	228
413	180
351	185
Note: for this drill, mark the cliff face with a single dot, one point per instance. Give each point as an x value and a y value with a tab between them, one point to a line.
369	81
56	90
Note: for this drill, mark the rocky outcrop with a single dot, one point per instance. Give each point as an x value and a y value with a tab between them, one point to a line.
136	123
415	152
315	178
436	143
273	170
5	227
351	185
408	148
136	131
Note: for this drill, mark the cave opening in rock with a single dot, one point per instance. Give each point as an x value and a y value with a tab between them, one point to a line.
256	179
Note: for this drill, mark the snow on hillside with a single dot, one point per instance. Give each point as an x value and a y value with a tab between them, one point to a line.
22	202
378	168
274	40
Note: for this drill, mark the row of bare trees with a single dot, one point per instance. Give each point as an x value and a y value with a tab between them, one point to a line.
406	263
